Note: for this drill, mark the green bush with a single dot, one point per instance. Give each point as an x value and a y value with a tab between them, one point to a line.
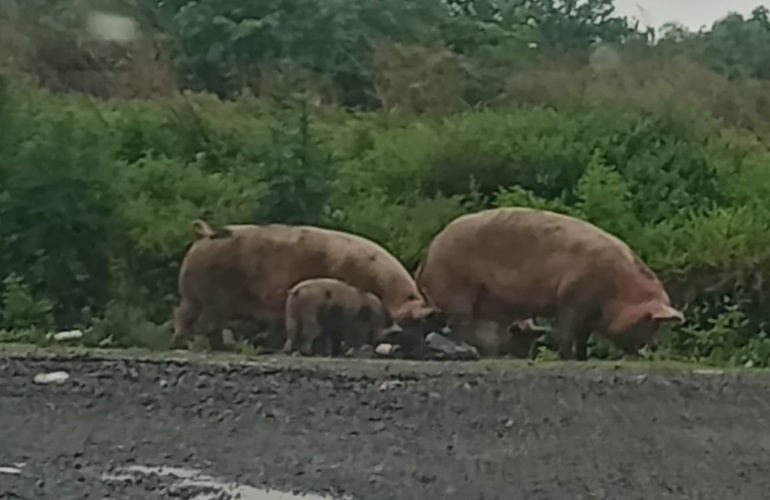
97	199
410	115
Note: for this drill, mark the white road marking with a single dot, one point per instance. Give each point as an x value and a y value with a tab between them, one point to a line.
194	478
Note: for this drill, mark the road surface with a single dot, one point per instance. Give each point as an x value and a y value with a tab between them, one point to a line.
130	428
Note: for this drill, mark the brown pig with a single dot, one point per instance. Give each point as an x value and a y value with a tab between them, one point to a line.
335	312
508	264
246	271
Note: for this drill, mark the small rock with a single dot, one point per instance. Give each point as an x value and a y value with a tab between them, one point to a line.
707	371
10	470
67	335
51	378
385	349
390	384
443	348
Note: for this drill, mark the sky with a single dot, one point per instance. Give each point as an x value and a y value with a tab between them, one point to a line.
691	13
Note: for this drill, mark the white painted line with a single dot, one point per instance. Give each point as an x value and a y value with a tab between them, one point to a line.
193	478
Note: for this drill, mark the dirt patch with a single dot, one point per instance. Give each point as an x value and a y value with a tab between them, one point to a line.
382	430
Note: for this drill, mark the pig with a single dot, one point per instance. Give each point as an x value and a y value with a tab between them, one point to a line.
508	264
492	339
246	271
335	312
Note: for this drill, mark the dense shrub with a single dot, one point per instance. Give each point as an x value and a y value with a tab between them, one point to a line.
98	197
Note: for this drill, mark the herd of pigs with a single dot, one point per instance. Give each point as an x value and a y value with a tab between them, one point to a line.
325	292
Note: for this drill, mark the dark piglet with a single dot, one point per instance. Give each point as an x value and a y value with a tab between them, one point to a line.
330	312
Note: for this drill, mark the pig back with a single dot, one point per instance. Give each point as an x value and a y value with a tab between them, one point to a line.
314	295
280	256
522	256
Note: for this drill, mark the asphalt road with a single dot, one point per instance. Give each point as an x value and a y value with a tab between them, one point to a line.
376	430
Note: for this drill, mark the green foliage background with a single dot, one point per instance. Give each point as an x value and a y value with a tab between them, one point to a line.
386	119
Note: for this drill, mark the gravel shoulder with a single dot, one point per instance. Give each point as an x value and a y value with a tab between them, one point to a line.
379	429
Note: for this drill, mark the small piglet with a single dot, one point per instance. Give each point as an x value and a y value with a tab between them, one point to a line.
332	311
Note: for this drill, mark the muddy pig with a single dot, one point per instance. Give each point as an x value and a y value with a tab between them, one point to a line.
493	339
247	270
332	311
508	264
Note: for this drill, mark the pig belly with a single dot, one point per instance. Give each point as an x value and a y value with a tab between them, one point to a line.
513	296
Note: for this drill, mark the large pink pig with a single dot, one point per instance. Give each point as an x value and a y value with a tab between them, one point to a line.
510	264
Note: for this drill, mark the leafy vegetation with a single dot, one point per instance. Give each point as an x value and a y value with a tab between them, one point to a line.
386	119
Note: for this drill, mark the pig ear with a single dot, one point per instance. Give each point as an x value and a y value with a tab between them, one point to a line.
663	313
655	311
365	313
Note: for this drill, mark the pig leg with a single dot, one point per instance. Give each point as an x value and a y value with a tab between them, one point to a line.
210	325
357	337
311	330
215	337
533	351
581	344
185	316
293	329
216	340
331	345
333	342
323	344
572	331
459	306
567	323
460	322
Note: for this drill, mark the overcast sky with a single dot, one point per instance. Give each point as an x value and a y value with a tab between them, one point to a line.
691	13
